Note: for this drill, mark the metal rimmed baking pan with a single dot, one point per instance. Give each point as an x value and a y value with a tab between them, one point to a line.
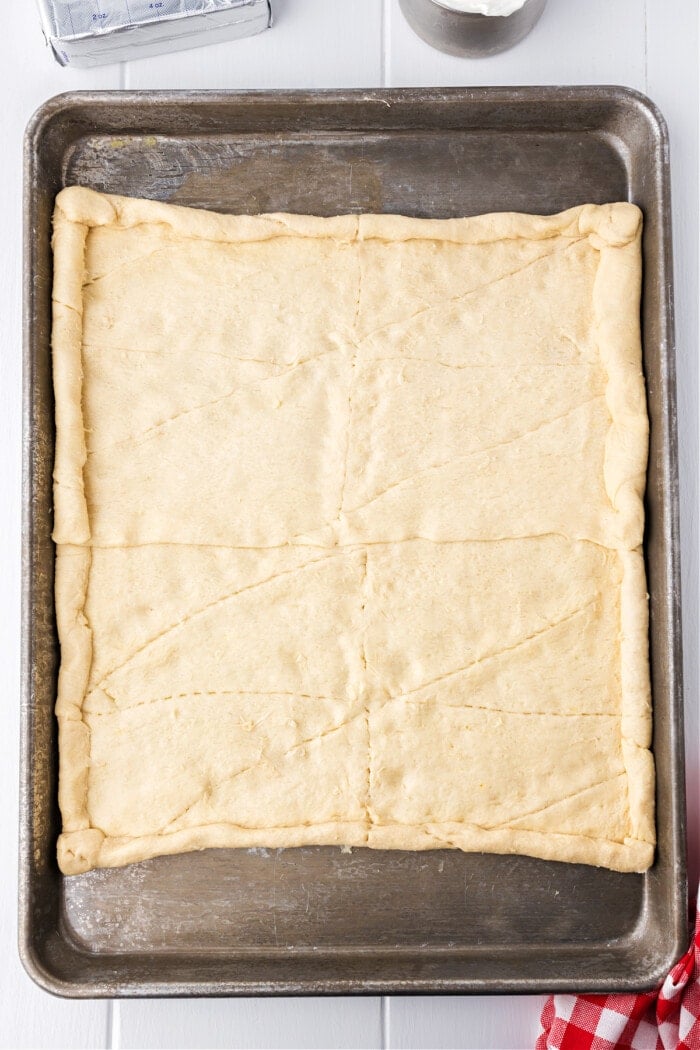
315	920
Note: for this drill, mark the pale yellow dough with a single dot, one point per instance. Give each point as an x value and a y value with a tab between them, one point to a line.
348	516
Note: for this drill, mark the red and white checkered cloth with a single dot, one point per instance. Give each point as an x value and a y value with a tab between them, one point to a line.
666	1019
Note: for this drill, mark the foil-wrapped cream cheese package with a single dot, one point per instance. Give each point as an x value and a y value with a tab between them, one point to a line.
92	33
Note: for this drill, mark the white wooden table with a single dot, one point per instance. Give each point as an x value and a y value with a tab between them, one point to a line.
647	44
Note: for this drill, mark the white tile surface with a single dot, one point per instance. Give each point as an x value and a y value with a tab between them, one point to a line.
313	43
473	1023
648	44
249	1023
591	42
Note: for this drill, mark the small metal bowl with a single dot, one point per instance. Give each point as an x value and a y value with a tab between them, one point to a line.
470	35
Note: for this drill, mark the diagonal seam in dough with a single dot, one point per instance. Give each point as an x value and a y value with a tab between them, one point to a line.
172	247
477	452
473	291
211	605
137	439
499	652
127	264
554	802
213	786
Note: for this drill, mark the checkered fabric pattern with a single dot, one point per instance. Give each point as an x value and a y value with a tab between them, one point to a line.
666	1019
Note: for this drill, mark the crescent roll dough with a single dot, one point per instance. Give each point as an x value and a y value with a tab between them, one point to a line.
348	516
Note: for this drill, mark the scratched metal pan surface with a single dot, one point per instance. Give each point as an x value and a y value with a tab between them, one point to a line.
315	920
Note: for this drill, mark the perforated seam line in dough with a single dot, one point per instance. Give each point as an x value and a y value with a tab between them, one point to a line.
475	452
490	365
108	348
201	692
514	819
555	802
136	440
214	785
348	548
210	605
442	303
508	711
500	652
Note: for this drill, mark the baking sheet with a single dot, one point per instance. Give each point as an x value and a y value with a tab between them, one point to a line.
315	920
